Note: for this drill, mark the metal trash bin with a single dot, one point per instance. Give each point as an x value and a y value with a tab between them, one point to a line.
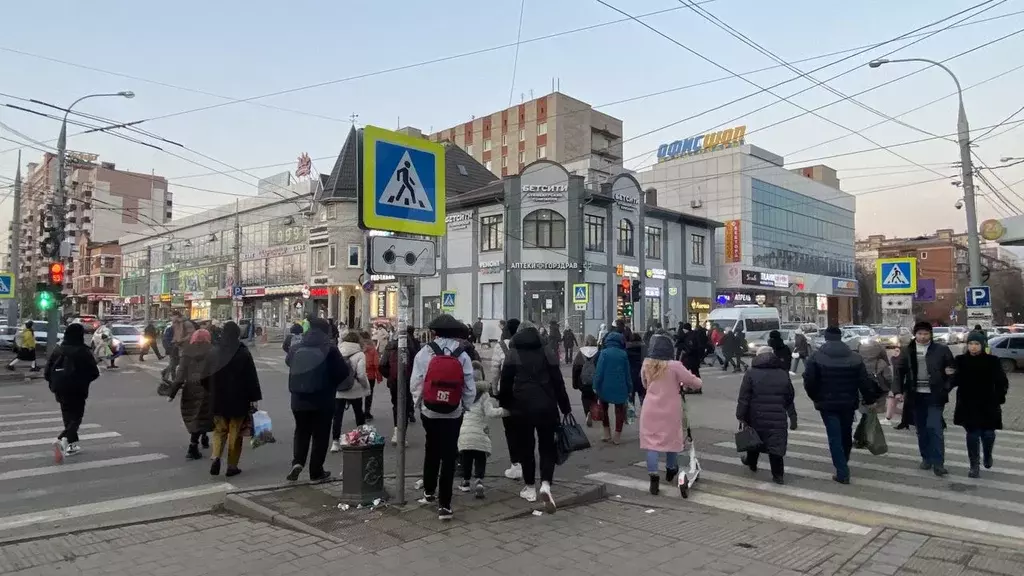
362	474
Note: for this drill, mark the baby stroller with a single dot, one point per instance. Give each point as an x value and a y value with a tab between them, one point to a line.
688	477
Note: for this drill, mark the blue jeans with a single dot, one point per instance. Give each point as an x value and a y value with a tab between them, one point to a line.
986	439
671	461
839	428
928	422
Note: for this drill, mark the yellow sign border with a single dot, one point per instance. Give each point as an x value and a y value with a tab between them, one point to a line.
370	219
913	276
574	300
14	282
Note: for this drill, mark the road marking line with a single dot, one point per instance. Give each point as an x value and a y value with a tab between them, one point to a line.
16	397
908	457
744	507
33	421
915	472
929	493
895	510
78	466
1002	442
948	451
26	414
93	449
107	506
46	441
43	430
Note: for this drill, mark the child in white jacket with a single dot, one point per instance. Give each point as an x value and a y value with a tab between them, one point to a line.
474	436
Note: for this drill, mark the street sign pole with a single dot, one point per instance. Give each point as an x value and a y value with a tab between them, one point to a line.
401	396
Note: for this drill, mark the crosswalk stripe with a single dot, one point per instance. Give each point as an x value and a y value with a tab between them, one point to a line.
1002	442
32	421
27	414
79	466
93	449
859	465
108	506
920	492
740	506
900	445
27	431
46	441
13	397
895	510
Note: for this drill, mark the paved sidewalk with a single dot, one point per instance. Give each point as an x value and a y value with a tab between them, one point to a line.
608	537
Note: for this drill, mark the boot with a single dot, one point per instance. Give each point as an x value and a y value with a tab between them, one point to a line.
617	438
654	484
670	474
974	472
606	436
193	452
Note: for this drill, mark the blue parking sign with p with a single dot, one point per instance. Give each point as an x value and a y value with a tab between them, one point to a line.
978	297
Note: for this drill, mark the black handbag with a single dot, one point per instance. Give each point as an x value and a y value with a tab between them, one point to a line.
747	440
569	438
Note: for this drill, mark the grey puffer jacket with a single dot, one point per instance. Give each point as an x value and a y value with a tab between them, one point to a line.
765	402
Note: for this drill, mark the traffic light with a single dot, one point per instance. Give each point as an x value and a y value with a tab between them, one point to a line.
57	274
627	310
636	294
44	297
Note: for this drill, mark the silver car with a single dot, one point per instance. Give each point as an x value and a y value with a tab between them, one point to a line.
127	336
1009	348
942	335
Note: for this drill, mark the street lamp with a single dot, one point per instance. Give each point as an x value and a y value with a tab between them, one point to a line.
964	140
62	141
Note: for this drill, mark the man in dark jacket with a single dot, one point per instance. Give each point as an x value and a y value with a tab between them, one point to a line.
150	335
923	374
636	351
783	352
315	369
69	371
837	381
532	383
568	344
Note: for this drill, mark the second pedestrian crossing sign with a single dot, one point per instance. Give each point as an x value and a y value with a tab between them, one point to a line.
896	275
448	300
580	293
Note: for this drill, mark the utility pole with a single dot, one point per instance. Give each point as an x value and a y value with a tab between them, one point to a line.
145	274
967	170
57	210
12	308
237	280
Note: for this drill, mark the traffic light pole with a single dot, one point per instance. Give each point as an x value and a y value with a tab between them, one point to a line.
58	208
12	308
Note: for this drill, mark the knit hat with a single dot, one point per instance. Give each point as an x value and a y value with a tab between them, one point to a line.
661	348
512	326
833	334
922	326
976	336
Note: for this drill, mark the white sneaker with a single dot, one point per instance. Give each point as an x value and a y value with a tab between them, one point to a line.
419	484
791	373
529	493
394	437
73	449
545	495
886	422
335	446
514	472
465	486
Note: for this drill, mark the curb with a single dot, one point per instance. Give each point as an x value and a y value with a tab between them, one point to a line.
244	507
595	493
104	526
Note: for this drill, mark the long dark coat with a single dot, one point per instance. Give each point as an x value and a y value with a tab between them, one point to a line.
234	382
193	380
981	387
765	402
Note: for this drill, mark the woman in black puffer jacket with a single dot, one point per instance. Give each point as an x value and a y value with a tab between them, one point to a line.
766	404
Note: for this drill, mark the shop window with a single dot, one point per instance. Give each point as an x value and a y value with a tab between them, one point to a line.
544	229
625	247
652	248
491	233
492	301
697	249
332	255
596	305
594	234
353	256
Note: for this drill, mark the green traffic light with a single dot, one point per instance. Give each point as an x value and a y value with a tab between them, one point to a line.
44	300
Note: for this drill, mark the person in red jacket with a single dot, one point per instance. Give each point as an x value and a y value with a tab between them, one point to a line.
372	369
716	341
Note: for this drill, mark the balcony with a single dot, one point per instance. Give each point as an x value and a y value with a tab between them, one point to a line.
86	214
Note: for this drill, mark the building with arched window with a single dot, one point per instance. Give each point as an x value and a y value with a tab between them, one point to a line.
517	247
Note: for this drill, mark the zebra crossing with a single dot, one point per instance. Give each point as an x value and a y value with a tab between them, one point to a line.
110	473
890	489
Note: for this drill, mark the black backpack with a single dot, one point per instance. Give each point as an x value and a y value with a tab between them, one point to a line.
62	373
308	369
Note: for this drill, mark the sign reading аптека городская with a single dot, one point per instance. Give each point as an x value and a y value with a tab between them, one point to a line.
703	143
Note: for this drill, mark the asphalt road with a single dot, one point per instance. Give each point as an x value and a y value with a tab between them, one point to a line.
133	460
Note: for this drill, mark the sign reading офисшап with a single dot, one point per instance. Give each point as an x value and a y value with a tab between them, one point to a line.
703	143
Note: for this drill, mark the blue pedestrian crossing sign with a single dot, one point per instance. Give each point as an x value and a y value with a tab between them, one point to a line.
896	275
978	297
448	300
580	293
6	285
403	184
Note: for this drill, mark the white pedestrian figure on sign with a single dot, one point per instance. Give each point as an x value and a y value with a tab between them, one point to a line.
402	175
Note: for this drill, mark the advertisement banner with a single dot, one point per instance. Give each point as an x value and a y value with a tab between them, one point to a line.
733	252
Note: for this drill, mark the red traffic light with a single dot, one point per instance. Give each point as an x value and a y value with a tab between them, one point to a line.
625	283
56	273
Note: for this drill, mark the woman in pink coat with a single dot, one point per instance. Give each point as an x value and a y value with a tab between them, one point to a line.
662	422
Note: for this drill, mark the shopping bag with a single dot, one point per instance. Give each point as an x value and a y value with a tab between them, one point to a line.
569	438
596	411
262	429
631	414
747	440
873	435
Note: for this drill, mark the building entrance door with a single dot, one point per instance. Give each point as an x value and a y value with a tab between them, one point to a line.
544	302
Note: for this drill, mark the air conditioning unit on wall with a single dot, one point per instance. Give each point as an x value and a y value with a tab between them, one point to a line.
696	204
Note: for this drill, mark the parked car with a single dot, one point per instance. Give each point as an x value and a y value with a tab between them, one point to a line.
89	322
894	336
1009	348
7	334
958	334
941	334
126	338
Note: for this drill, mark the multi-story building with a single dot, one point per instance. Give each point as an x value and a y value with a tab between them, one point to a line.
102	204
97	286
788	239
554	127
942	274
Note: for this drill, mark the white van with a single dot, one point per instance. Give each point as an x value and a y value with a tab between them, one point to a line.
755	321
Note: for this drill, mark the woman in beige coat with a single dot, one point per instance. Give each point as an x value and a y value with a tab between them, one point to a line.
351	348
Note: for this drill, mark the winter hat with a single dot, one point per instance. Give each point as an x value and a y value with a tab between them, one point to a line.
661	348
687	326
976	336
775	335
446	326
512	326
922	326
833	334
74	334
765	350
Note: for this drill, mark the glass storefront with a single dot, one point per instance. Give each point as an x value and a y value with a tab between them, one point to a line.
544	302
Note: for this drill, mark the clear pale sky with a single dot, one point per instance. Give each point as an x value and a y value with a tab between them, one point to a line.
245	49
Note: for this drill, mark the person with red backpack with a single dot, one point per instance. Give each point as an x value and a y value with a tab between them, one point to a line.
443	387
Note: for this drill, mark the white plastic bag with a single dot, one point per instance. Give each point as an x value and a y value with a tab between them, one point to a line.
262	429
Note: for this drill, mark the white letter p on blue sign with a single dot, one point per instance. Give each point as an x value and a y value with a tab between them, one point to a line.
978	297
